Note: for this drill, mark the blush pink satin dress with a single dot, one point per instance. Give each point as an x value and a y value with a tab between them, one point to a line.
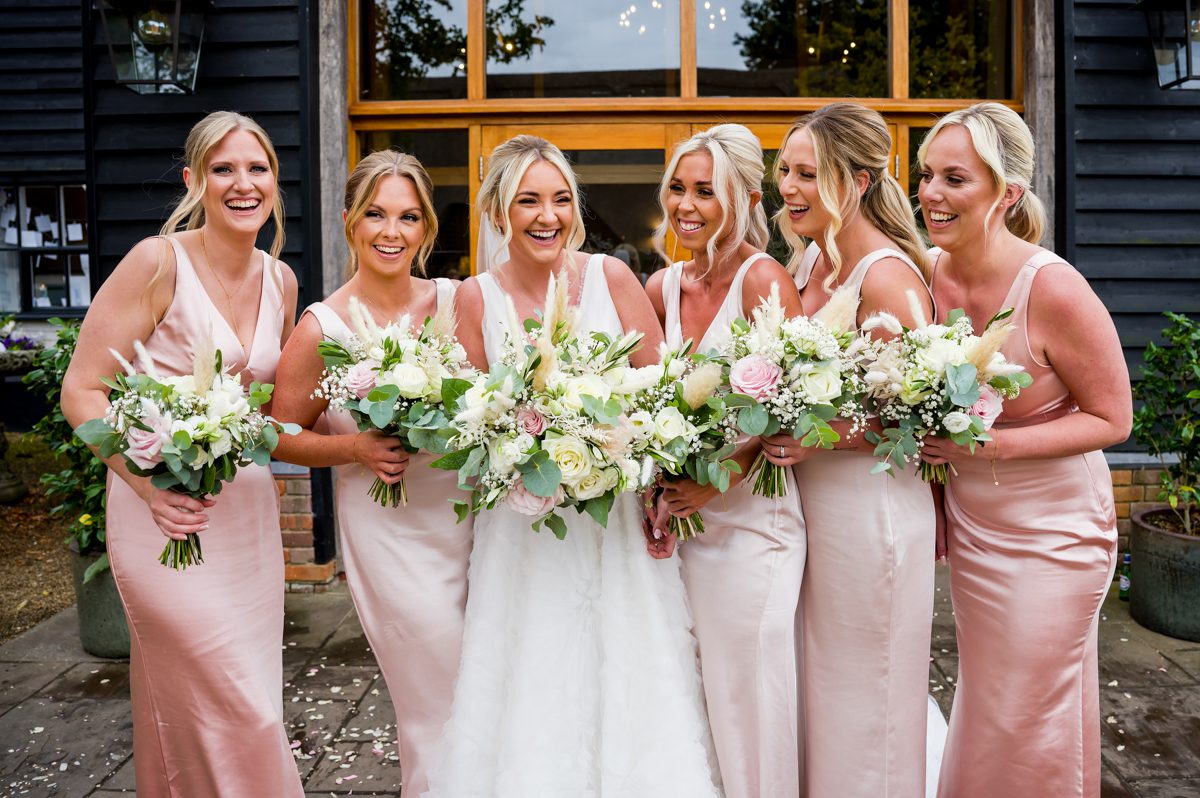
866	615
1031	559
407	571
205	670
743	582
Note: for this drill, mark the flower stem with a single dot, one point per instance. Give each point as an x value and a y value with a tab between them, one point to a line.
389	495
769	478
179	554
686	528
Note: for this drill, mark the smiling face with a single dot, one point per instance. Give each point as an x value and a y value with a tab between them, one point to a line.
692	207
240	188
390	232
796	172
540	214
957	190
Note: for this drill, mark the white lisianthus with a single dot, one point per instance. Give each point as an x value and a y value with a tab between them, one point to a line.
504	453
456	354
823	384
224	403
671	424
571	455
676	368
192	426
184	384
637	380
940	353
575	388
643	425
220	444
595	483
956	422
409	378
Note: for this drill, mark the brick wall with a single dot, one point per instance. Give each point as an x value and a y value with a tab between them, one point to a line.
295	519
1133	489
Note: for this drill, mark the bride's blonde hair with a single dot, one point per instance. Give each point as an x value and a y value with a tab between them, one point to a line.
737	174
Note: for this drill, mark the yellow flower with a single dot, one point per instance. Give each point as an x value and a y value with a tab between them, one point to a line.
86	519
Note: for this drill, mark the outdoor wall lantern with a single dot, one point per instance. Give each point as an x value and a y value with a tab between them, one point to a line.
154	45
1175	36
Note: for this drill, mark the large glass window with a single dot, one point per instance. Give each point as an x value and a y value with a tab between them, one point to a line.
567	48
443	153
412	49
792	48
960	49
43	250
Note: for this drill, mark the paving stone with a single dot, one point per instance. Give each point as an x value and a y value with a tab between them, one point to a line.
364	767
1167	788
943	640
347	646
941	690
55	639
89	736
374	718
20	680
319	680
110	794
312	617
123	778
1130	660
90	680
1187	658
313	727
1154	734
1111	786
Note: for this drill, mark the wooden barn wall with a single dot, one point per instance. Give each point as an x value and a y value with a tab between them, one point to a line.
1130	217
254	60
41	91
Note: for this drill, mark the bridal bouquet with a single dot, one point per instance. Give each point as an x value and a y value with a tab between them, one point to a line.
936	379
189	434
397	381
681	423
795	375
547	427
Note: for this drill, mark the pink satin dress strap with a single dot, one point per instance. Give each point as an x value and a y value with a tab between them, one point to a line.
407	571
865	613
206	674
1032	550
743	582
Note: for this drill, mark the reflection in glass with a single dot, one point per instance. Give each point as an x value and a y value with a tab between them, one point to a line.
620	204
10	280
960	49
10	227
413	49
915	136
75	214
48	278
444	155
777	248
41	227
792	48
567	48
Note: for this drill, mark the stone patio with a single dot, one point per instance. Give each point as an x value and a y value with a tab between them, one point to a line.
65	727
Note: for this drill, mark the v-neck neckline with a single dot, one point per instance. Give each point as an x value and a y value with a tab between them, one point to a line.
247	351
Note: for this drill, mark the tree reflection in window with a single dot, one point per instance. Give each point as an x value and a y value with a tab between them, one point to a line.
413	49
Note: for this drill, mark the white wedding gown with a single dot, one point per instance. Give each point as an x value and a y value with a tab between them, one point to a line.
579	674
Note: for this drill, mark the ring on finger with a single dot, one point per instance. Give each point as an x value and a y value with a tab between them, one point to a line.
781	452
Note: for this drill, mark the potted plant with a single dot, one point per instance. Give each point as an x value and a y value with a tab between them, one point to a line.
80	490
1165	543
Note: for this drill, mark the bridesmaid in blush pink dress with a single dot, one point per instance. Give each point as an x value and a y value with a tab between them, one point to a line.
205	666
867	600
406	566
1031	530
743	574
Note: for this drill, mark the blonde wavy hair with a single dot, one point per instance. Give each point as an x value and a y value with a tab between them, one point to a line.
362	186
737	173
204	137
507	164
848	139
1003	142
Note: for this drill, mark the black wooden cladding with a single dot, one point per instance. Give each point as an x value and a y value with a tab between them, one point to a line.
1129	159
41	91
251	62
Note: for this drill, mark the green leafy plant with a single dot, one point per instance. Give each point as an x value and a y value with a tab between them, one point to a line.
79	486
1167	421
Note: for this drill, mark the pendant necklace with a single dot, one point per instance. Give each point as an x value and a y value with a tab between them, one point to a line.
228	294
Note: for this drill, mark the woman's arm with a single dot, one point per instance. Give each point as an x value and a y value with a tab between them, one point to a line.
635	310
468	309
764	273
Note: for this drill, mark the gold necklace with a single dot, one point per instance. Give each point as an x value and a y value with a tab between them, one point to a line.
228	295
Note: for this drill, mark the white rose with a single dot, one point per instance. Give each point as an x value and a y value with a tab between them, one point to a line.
571	455
220	444
643	425
638	380
595	483
575	388
670	424
456	354
408	377
940	353
676	368
822	384
226	403
504	453
436	372
956	422
184	384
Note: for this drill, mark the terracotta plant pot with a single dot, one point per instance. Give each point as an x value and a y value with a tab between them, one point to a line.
103	630
1164	593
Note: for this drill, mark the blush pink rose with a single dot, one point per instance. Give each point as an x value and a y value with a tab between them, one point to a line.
522	501
530	421
145	447
988	407
756	377
360	378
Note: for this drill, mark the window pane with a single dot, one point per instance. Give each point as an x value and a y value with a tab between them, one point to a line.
41	226
444	155
10	280
779	48
915	136
79	281
960	49
567	48
620	204
413	49
49	282
75	215
777	248
10	227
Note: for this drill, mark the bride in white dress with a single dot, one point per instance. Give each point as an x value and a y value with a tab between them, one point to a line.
579	675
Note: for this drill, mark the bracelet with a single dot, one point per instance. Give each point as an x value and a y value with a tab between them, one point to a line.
995	454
